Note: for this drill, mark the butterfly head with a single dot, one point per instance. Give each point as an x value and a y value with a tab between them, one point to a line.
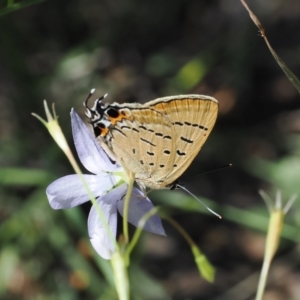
96	114
104	116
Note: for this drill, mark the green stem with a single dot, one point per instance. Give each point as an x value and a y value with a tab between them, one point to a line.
55	131
262	280
272	241
126	207
180	230
139	230
120	276
205	268
92	197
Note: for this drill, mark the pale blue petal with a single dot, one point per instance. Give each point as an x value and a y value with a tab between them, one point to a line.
68	191
91	155
139	205
99	237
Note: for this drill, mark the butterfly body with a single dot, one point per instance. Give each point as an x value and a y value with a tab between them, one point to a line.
157	140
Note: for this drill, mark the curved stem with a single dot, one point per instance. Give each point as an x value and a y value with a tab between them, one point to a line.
126	206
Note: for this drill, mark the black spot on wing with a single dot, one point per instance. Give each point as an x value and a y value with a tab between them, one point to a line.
147	142
134	129
178	123
97	131
117	129
186	140
150	153
158	134
113	113
167	137
180	153
167	152
202	127
188	123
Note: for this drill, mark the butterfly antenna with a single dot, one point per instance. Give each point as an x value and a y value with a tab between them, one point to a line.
85	103
208	172
210	210
217	169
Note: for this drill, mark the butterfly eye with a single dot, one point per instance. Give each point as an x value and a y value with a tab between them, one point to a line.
99	105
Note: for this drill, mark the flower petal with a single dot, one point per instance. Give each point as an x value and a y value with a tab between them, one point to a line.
140	205
68	191
99	237
91	155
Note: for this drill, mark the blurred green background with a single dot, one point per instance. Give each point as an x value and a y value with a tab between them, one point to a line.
137	51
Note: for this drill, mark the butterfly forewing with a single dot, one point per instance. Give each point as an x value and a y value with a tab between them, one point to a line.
144	144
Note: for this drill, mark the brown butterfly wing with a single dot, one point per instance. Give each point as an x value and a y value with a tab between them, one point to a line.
158	140
143	143
193	118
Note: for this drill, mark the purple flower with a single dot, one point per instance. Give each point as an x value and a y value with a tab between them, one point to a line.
108	187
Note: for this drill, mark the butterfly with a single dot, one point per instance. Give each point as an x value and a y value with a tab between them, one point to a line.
158	140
